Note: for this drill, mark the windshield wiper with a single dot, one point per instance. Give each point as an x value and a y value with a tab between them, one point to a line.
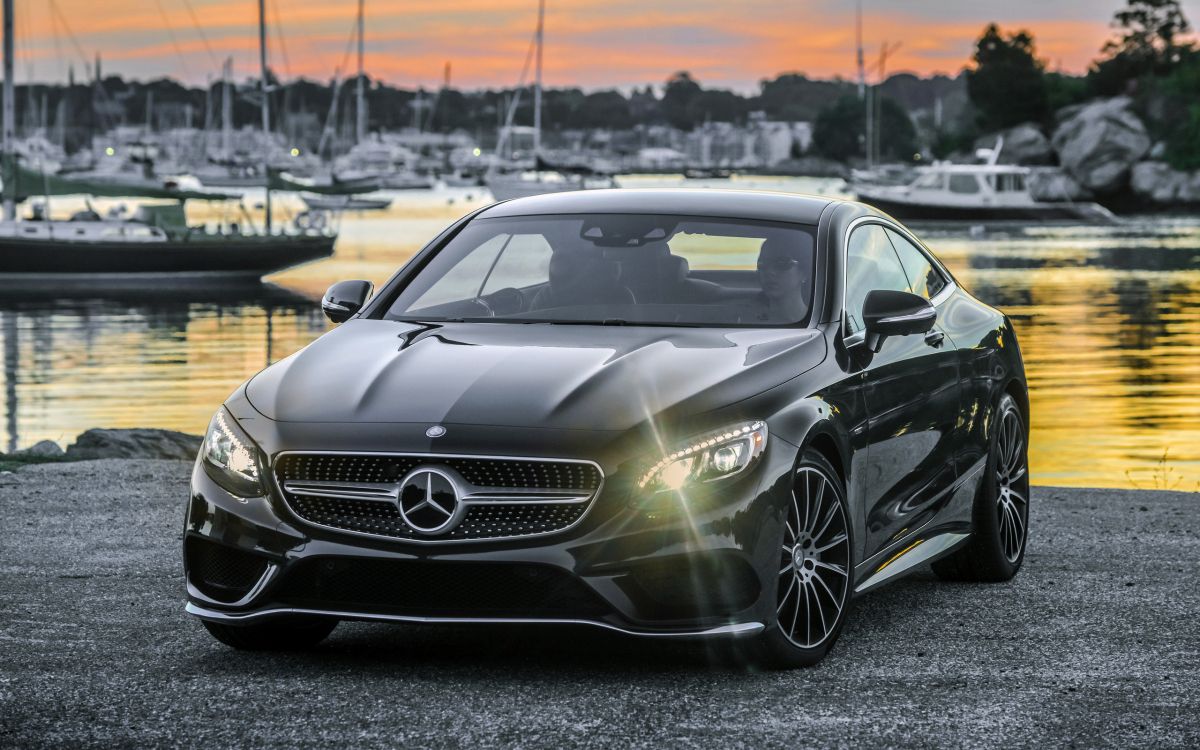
603	322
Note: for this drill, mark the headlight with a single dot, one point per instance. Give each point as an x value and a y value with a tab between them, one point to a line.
231	457
713	455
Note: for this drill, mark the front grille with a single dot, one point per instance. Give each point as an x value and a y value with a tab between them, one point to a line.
505	498
439	589
220	572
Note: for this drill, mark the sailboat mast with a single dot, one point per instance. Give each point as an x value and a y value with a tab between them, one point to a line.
10	206
360	104
227	109
537	86
266	105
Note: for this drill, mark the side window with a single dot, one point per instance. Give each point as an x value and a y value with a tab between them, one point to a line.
871	264
923	278
523	263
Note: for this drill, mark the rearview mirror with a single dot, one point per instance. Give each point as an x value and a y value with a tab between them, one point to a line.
345	298
888	313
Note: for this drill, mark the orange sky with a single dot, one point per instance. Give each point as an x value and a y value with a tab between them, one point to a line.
590	43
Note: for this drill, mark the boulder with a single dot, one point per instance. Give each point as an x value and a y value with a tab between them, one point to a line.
1156	182
1098	143
135	443
1023	144
42	449
1055	185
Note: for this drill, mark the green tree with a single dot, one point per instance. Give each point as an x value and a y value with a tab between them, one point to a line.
1149	43
839	131
794	97
603	109
1007	84
1181	119
681	92
717	105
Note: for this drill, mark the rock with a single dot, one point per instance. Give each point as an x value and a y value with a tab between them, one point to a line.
1054	185
42	449
1098	143
1158	183
1023	144
136	443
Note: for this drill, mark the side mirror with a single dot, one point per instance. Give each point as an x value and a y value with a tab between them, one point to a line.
345	298
888	313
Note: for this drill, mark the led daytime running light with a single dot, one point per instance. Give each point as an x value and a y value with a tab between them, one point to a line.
240	459
699	446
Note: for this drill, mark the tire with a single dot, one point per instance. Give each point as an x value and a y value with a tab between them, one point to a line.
1000	516
815	568
285	634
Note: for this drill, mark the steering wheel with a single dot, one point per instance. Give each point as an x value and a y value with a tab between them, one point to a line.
504	301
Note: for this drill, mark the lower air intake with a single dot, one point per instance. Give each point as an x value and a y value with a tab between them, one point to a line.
223	573
438	589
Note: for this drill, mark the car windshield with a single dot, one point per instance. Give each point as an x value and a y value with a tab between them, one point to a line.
617	269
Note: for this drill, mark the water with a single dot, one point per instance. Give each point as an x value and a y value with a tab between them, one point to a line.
1108	319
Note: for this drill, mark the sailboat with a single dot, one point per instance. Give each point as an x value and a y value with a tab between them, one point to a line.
546	177
370	164
154	243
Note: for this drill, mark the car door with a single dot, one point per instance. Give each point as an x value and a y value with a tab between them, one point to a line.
911	388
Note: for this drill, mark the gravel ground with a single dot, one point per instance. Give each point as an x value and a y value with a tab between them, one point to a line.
1094	644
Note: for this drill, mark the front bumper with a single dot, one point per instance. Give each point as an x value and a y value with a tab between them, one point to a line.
662	572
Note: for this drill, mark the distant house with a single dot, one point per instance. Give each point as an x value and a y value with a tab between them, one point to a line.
760	143
660	157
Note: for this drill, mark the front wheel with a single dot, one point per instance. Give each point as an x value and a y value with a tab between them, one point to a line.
812	591
1001	513
284	634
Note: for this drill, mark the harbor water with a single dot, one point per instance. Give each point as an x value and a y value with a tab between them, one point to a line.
1108	319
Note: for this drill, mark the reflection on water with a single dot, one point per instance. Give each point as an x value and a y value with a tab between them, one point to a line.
1109	321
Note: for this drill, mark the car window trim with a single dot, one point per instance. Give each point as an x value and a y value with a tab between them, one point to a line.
924	253
858	337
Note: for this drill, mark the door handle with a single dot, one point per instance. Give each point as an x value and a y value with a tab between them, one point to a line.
935	338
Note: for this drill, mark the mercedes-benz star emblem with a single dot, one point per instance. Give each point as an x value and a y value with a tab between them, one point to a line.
436	431
429	501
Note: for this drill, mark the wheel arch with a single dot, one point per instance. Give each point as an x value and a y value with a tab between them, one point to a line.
1020	393
821	439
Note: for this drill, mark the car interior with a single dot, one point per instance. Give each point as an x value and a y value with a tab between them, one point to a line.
608	271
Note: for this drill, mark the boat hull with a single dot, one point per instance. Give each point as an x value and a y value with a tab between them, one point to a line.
346	203
183	260
912	211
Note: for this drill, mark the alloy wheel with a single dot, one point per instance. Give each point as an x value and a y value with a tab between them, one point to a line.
814	578
1012	485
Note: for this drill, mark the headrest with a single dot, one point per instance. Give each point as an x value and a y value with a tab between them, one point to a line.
785	247
675	267
569	268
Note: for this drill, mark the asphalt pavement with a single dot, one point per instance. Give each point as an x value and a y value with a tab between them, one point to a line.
1095	643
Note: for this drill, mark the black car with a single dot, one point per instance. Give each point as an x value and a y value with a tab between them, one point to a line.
667	413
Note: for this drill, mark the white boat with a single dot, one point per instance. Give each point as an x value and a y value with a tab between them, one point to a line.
975	192
344	202
384	161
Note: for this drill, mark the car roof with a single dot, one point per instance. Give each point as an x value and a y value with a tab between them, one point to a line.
731	204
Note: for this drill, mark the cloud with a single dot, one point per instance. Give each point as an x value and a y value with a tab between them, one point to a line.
592	43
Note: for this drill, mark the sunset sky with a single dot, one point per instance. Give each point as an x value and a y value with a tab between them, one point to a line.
589	43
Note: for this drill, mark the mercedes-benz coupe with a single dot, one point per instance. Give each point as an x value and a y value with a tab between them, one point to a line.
667	413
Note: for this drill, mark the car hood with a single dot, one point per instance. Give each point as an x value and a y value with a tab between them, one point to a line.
526	375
